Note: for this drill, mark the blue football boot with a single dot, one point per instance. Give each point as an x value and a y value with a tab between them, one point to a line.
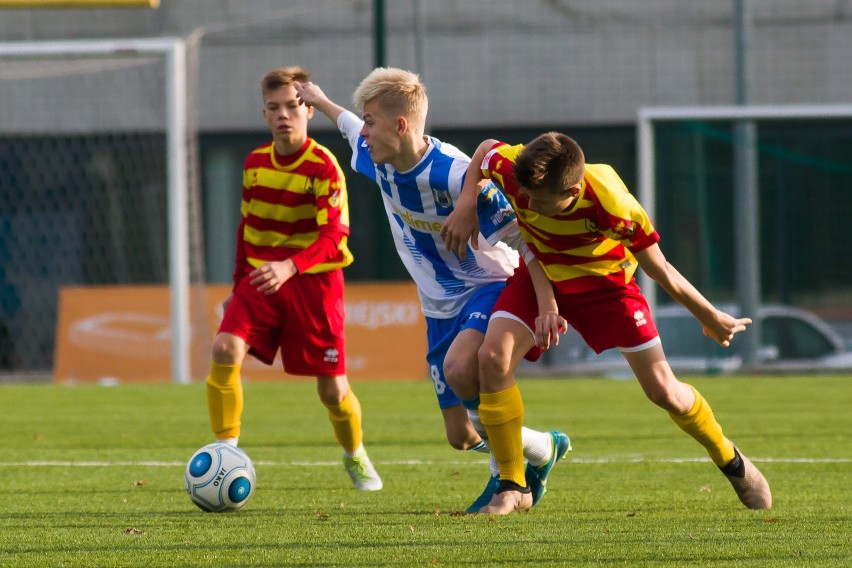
537	476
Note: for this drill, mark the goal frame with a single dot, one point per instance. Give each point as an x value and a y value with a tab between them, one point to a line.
648	117
175	55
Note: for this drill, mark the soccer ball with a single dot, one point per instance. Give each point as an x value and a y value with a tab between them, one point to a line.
219	477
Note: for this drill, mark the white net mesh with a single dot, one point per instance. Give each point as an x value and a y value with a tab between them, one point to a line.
84	187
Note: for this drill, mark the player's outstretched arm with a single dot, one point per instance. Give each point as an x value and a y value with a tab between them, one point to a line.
310	94
717	325
462	225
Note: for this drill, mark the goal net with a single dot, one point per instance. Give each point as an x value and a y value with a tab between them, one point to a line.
97	185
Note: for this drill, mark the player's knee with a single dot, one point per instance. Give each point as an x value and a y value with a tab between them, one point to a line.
661	386
493	362
227	350
663	397
460	375
452	371
332	390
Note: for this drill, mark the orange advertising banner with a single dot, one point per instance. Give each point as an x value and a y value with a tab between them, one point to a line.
122	334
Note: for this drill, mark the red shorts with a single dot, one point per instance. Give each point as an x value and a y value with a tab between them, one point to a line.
605	318
304	319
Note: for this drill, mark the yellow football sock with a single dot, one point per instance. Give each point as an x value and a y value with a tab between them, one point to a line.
346	420
502	414
225	400
700	423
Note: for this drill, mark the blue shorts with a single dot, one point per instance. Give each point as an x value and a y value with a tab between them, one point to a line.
440	334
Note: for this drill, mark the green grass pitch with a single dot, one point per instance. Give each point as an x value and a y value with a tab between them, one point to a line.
93	476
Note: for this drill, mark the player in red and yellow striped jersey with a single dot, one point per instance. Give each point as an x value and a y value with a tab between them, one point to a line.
589	234
288	277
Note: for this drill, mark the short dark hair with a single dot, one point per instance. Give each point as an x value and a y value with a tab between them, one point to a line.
552	160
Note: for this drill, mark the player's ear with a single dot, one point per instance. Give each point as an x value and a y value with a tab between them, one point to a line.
576	188
401	125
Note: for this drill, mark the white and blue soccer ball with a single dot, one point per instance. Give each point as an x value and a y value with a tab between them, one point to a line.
219	477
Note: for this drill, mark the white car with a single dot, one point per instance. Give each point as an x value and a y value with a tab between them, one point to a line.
792	340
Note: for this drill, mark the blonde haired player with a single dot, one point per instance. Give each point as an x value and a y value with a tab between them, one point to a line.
420	178
288	278
590	234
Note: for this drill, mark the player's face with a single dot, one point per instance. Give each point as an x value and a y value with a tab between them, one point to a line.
381	134
548	202
286	118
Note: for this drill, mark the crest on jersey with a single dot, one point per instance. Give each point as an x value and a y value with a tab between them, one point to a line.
442	197
334	198
624	228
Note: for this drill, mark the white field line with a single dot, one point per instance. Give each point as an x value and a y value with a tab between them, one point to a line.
620	459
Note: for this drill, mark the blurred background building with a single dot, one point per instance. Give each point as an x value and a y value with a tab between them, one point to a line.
82	169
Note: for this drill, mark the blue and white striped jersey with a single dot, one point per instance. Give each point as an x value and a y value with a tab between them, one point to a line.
418	202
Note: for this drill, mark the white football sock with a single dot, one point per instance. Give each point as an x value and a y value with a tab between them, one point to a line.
230	441
359	450
538	446
473	416
495	471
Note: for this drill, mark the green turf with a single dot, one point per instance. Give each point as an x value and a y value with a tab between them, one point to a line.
621	498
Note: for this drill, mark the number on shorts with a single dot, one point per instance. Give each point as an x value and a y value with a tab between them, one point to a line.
440	385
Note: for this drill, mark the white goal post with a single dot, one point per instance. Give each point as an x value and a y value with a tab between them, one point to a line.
175	88
648	117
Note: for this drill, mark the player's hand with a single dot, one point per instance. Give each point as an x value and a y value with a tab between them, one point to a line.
548	327
724	327
459	229
308	93
272	275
